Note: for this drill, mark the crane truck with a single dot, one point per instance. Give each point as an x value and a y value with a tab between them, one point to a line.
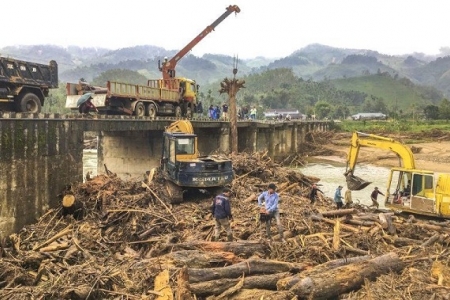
24	85
184	168
408	189
171	95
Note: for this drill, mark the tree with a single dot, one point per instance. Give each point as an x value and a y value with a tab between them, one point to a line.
444	109
322	109
431	112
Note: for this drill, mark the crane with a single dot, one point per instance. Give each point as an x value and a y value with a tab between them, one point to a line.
168	66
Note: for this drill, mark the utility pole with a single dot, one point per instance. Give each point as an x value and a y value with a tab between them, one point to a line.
232	87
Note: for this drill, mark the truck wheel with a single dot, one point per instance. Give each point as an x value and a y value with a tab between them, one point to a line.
139	109
151	110
178	112
29	103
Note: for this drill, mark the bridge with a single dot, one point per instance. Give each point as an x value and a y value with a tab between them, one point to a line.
40	154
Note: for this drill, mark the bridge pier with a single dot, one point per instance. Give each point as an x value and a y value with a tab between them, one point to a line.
129	154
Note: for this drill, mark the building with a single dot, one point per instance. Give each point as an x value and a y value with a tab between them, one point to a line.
369	116
273	114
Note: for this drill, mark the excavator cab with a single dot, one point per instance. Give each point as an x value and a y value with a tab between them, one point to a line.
184	168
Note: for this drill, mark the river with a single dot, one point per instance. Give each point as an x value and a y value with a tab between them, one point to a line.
330	173
331	176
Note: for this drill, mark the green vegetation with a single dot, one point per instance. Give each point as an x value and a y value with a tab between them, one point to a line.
394	126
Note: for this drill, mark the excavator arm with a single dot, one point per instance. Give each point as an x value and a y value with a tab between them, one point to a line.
359	140
168	67
180	126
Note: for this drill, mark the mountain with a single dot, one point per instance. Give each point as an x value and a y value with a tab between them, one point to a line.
314	62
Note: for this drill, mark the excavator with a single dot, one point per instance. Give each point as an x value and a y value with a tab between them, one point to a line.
183	167
408	189
187	87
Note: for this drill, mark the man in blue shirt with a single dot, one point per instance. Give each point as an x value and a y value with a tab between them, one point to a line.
221	211
270	199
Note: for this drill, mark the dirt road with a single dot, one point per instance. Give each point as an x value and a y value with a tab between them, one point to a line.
434	156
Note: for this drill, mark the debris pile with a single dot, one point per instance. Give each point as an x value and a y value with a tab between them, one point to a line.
121	240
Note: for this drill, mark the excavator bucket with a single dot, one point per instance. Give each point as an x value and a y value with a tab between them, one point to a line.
355	183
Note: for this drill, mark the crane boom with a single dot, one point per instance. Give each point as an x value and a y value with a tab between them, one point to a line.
168	67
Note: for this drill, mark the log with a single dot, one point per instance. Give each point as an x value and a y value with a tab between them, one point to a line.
252	266
289	282
338	212
195	259
360	222
346	278
336	239
250	198
343	226
218	286
254	294
431	240
241	248
162	285
183	291
72	206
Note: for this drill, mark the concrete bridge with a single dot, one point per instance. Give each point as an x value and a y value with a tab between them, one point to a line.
41	154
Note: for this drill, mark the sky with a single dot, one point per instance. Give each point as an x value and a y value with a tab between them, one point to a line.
263	27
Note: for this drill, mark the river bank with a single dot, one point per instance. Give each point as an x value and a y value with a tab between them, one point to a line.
432	155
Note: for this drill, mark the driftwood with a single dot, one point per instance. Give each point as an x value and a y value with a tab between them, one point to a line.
333	222
244	248
288	282
252	266
338	212
255	294
346	278
218	286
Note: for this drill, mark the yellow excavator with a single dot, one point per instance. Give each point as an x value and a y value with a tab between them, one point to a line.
184	168
408	189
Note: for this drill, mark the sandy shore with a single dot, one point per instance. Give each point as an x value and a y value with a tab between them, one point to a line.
433	156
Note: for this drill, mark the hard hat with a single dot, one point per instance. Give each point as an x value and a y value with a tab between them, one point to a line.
166	58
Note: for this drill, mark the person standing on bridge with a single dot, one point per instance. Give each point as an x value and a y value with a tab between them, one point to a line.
221	210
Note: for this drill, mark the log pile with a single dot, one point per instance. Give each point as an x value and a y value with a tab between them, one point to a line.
131	244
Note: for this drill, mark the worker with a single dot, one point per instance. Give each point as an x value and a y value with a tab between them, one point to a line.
221	210
313	193
253	113
348	198
268	204
338	197
374	197
86	107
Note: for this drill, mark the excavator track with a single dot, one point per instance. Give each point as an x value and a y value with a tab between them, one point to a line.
175	192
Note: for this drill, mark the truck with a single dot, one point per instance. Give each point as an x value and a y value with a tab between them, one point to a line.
24	85
183	168
170	95
408	189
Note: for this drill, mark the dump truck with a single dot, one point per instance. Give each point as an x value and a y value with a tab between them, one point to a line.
183	168
170	95
24	85
408	189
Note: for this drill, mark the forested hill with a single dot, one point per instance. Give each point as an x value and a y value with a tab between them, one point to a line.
353	79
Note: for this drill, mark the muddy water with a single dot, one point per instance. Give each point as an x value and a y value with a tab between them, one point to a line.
331	176
89	162
329	171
